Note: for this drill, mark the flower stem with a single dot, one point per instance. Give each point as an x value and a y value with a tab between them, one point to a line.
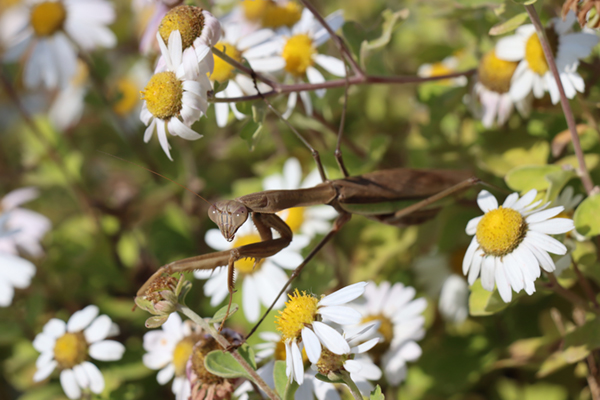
351	385
225	344
564	102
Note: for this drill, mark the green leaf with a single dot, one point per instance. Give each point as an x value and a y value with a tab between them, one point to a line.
591	161
222	363
558	180
525	2
525	178
245	107
482	302
219	87
250	133
259	111
587	217
376	394
324	378
279	377
510	25
220	315
387	27
247	354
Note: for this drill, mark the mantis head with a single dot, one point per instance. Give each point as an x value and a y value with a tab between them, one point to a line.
229	215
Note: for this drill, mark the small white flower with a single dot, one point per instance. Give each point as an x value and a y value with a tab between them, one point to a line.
511	242
447	66
533	73
171	95
126	91
569	201
308	221
44	31
300	324
237	45
24	228
261	282
273	349
66	346
400	326
169	349
295	52
492	87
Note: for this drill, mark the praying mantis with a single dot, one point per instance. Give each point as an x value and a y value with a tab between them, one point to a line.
399	196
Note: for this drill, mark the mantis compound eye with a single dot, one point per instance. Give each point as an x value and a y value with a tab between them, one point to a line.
229	215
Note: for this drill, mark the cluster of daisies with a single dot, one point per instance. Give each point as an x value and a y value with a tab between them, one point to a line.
515	71
275	38
361	329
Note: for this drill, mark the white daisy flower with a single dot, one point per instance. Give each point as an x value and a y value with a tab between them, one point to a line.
401	325
44	32
308	221
126	91
533	73
262	282
199	31
295	52
66	346
492	88
171	95
25	228
447	66
300	324
273	349
169	349
237	45
435	273
511	242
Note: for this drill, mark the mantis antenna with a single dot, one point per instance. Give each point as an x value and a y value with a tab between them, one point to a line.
155	173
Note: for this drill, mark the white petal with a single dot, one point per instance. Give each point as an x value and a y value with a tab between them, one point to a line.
487	273
502	282
250	299
331	338
546	242
82	318
352	366
81	377
107	350
544	215
486	201
468	260
344	295
340	315
45	371
95	377
525	200
69	384
333	65
165	374
177	127
98	330
311	345
298	366
475	268
314	76
553	226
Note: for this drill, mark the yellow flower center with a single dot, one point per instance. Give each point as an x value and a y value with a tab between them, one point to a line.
298	53
199	352
494	73
70	350
224	71
246	266
48	17
276	16
127	96
188	20
300	310
500	231
534	53
182	352
386	329
254	9
294	218
163	95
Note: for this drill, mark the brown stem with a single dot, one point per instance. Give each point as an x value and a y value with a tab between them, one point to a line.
567	294
564	102
336	83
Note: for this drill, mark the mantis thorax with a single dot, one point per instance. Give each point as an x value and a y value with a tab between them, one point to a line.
229	215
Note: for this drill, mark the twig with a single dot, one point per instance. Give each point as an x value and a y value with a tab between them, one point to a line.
567	294
346	53
336	83
225	344
564	102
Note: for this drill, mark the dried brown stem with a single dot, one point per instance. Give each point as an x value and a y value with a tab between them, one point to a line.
564	101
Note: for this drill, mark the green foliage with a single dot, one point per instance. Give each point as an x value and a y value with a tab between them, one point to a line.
223	364
509	25
587	217
483	303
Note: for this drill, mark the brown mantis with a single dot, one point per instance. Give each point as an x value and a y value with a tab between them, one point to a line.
398	197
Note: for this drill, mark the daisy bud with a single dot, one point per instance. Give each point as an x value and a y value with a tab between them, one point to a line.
162	298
